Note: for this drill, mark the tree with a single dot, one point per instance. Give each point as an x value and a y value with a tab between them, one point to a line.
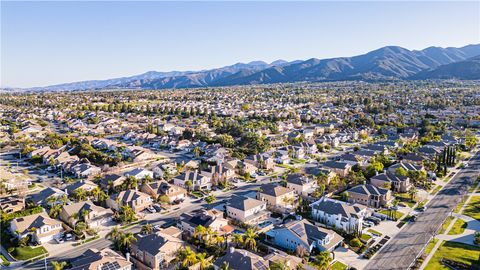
323	260
58	265
238	239
401	171
114	234
249	239
147	228
355	242
345	195
225	266
471	141
163	199
95	193
187	256
196	150
126	214
203	261
80	194
412	192
279	265
200	232
189	185
55	210
80	227
126	240
210	199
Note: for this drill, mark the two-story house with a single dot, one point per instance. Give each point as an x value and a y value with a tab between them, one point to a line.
247	210
40	226
137	200
92	214
347	217
198	180
397	182
154	251
301	184
278	198
159	188
370	195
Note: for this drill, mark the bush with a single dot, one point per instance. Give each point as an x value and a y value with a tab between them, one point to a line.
355	242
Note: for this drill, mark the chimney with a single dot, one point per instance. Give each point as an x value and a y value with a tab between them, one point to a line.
127	256
232	250
66	191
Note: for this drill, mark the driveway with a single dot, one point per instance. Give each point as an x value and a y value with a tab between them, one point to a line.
350	258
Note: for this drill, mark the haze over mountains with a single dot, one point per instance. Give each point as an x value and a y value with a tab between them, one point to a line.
387	63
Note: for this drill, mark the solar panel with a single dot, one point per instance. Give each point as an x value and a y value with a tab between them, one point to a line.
260	266
111	266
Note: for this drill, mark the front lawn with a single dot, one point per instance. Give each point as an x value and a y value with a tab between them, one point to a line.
365	237
405	198
472	209
436	190
338	266
26	253
458	227
430	245
454	251
396	214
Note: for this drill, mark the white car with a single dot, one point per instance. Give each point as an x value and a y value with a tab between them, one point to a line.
151	210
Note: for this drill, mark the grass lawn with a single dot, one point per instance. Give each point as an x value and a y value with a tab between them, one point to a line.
397	214
25	253
453	251
372	231
458	227
445	225
472	188
197	194
430	245
436	190
365	237
405	198
473	208
338	266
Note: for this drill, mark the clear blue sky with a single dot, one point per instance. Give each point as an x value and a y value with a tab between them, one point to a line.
44	43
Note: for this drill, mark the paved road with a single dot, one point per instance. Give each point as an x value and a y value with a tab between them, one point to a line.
402	250
102	243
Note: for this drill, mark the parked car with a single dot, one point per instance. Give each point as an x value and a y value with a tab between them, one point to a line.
151	209
169	223
59	240
68	237
374	220
422	209
157	208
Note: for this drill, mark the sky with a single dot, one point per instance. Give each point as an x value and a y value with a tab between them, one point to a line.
45	43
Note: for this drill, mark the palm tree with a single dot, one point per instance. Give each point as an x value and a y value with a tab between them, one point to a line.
279	265
323	260
188	184
249	239
225	266
203	261
51	200
126	240
85	213
200	232
114	234
238	239
58	265
196	150
80	194
95	192
80	227
55	211
412	192
147	228
187	256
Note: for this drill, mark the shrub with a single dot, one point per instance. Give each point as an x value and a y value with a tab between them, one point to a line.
355	242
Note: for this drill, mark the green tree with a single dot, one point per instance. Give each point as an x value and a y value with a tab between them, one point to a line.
58	265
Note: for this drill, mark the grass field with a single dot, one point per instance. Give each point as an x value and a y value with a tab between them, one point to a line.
453	251
436	190
472	209
26	253
365	237
458	227
338	266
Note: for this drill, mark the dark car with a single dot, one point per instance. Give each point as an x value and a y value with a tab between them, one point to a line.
169	223
157	208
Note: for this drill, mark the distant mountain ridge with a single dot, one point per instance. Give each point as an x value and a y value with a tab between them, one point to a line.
387	63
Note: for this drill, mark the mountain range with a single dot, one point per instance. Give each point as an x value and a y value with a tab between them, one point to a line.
385	64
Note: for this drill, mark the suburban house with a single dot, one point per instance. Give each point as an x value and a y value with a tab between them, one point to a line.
406	166
282	157
139	173
261	161
278	198
137	200
370	195
95	215
347	217
40	226
159	188
302	235
199	180
241	259
86	185
397	182
84	170
301	184
221	174
112	180
104	259
154	251
47	197
247	210
340	168
12	204
212	219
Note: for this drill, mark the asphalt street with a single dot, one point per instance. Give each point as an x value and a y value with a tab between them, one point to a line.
403	249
